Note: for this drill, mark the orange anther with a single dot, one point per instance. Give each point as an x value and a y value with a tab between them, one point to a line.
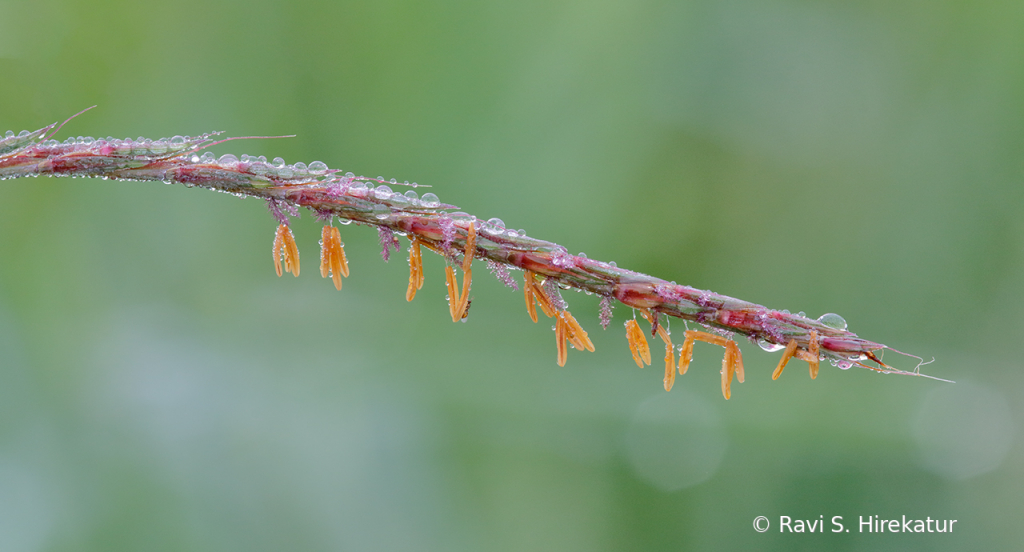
458	303
543	299
637	343
332	255
786	355
670	351
560	337
567	329
531	309
284	244
813	350
811	355
415	269
453	292
732	362
576	334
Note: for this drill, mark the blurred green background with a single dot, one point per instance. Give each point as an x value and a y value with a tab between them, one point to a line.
162	389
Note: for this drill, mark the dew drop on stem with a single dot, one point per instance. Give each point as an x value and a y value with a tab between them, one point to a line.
430	200
833	320
769	346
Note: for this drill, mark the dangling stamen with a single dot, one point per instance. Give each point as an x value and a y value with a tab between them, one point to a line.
812	349
738	355
458	304
415	269
453	292
278	243
728	365
568	329
531	309
332	255
541	296
810	355
686	354
670	351
340	263
576	334
637	343
467	269
284	243
325	251
786	355
732	363
560	340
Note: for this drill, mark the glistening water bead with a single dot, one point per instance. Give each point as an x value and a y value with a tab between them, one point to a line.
430	200
833	320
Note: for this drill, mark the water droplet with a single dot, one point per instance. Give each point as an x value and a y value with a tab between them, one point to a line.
350	175
512	234
177	141
207	157
394	181
23	134
496	225
802	314
299	167
244	158
833	320
844	364
278	162
382	192
770	347
411	195
158	147
227	159
612	264
10	134
381	212
318	167
430	201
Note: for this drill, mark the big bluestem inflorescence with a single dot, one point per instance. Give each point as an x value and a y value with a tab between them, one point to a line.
460	238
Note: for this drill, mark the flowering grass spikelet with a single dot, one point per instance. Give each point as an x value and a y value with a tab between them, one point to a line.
438	227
